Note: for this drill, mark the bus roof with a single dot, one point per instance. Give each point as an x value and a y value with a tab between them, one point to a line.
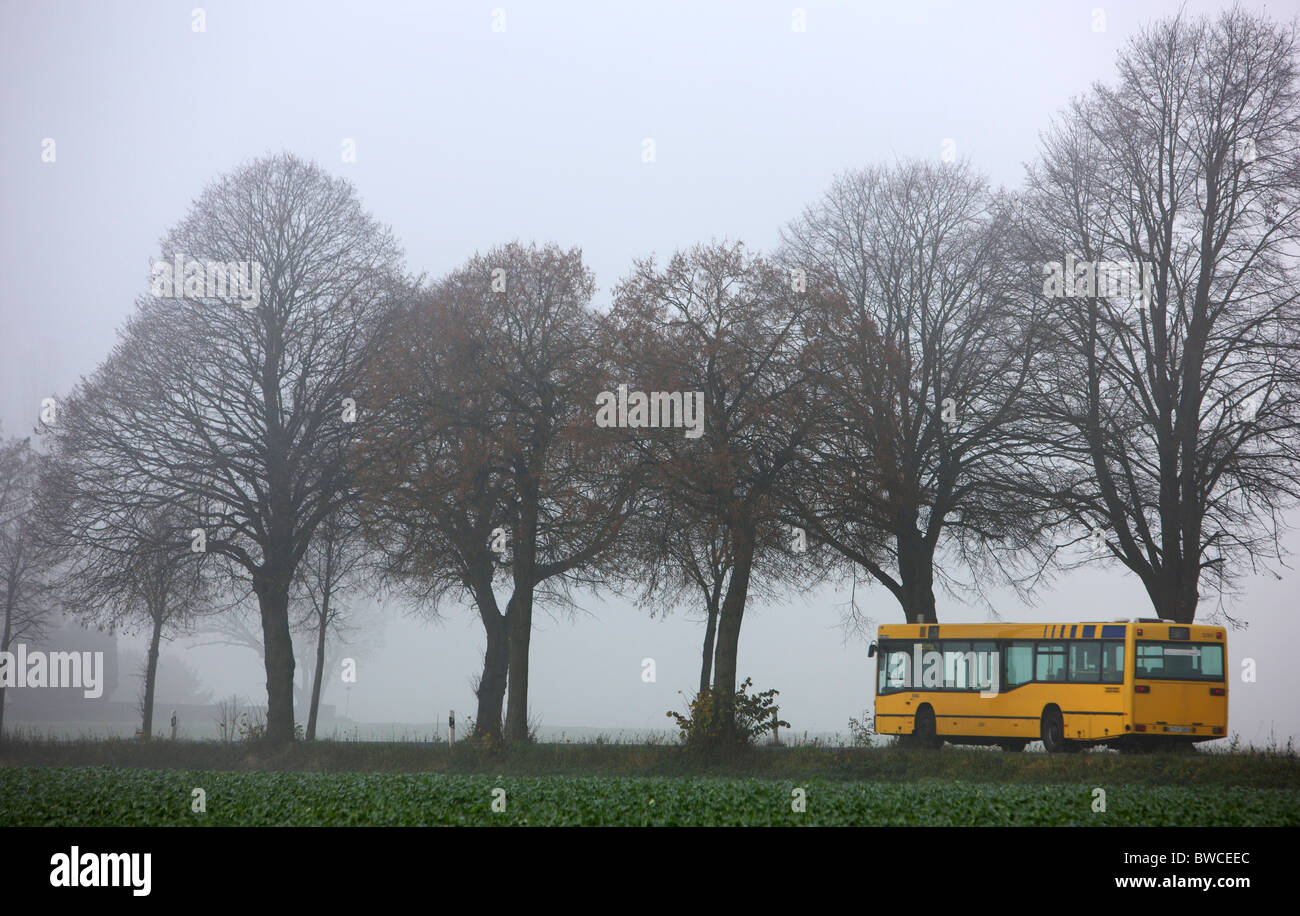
1087	629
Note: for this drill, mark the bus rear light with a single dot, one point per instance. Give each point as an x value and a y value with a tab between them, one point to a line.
1139	728
1218	636
1142	688
1217	730
1217	691
1139	631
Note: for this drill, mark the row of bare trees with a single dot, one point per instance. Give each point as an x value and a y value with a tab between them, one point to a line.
908	391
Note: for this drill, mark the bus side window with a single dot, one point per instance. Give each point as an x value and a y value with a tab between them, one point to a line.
1112	661
1085	661
1050	662
1020	663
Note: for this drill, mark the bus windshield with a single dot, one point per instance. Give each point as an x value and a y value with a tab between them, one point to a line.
1179	661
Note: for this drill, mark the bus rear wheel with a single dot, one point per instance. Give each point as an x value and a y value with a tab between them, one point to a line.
1052	731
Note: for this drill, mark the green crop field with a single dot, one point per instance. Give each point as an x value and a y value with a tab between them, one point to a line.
100	796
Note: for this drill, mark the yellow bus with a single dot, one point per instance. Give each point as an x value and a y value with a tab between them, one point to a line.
1133	685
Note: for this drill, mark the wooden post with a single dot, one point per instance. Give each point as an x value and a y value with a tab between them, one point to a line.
451	725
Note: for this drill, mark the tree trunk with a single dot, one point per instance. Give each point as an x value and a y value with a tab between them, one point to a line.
710	631
918	592
520	629
1186	585
320	667
733	611
274	579
916	575
1189	594
520	624
151	676
273	601
491	692
1174	598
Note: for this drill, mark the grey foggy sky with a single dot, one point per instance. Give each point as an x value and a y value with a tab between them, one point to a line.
467	138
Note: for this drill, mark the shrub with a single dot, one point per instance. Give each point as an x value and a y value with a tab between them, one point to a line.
252	731
713	730
860	731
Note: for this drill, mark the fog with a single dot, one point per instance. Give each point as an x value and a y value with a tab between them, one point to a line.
466	137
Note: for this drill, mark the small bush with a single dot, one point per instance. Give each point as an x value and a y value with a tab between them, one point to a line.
713	730
860	731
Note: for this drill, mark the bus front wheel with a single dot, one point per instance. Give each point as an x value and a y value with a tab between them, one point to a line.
924	733
1052	731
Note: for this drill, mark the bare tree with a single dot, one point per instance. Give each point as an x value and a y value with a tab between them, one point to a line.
725	331
485	468
23	564
926	363
328	576
123	565
1175	398
237	400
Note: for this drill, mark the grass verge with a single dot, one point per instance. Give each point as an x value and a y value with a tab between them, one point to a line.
1251	769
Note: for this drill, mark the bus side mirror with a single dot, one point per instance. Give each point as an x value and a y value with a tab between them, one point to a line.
871	650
